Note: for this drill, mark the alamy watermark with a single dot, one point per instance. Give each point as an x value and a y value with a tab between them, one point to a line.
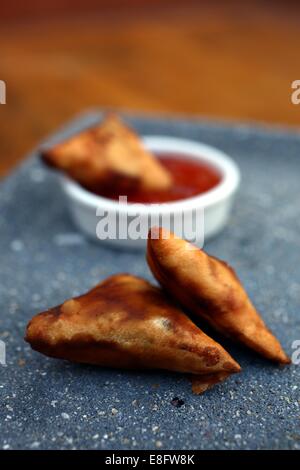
2	92
133	222
296	353
2	353
295	96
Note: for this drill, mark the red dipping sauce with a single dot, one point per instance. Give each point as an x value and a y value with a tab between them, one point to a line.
191	177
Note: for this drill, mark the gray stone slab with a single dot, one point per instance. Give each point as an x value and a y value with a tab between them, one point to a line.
51	404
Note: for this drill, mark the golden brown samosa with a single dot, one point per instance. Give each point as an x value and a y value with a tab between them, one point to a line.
210	289
108	154
125	322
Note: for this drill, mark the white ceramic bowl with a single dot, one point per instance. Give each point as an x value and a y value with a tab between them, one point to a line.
215	204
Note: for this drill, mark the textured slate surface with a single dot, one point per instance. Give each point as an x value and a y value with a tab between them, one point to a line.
48	403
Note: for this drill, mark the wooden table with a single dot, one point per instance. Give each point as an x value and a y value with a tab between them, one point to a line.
221	60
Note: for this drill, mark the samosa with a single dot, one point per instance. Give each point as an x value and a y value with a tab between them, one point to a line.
210	289
125	322
108	154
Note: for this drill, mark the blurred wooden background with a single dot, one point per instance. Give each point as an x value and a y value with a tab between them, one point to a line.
227	60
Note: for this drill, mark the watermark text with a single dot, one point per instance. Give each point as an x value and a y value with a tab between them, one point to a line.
133	222
296	353
295	96
2	92
2	353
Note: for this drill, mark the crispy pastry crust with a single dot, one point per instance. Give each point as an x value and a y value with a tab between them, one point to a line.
210	289
108	154
125	322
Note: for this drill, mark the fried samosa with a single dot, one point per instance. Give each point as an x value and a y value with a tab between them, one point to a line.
125	322
210	289
108	154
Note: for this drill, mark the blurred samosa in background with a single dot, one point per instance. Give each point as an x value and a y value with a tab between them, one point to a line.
108	154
